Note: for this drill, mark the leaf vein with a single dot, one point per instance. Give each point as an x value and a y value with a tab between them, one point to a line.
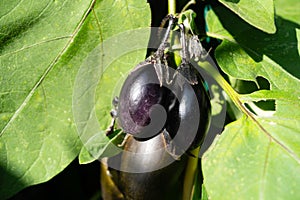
36	44
264	172
10	11
284	147
32	91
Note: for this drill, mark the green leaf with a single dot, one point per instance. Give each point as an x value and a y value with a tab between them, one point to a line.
258	154
255	164
43	44
198	188
287	9
99	81
259	14
97	147
204	193
215	28
100	76
38	137
281	47
187	18
85	157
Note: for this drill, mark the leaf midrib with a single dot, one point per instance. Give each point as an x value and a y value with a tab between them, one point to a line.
254	118
49	68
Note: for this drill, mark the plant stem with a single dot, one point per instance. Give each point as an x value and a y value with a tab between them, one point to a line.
172	7
190	174
234	96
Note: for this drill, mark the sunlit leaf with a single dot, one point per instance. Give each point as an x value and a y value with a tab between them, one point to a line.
42	46
257	13
259	153
287	9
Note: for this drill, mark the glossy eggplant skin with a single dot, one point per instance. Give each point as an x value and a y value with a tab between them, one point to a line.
183	105
164	180
152	177
193	112
140	92
161	181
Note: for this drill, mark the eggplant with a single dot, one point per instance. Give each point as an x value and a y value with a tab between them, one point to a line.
165	112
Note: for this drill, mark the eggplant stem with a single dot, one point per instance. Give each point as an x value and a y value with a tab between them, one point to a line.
190	174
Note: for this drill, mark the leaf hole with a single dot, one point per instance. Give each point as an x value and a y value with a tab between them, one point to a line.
262	108
262	83
268	105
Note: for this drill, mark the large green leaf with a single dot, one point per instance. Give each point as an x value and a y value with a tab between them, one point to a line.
38	137
281	47
258	156
122	47
42	46
288	9
256	12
